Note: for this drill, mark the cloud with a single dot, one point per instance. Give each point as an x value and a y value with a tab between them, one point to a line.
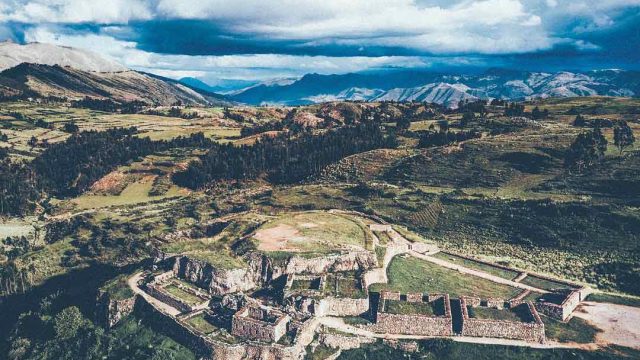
283	38
250	66
75	11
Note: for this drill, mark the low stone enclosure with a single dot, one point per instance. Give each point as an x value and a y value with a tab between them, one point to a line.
332	294
561	303
176	293
499	319
414	314
260	323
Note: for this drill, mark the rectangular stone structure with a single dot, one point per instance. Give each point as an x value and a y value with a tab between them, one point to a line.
260	323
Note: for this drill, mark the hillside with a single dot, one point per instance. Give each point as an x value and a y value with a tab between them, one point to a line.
53	80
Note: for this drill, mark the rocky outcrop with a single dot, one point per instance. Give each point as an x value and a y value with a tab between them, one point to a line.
217	281
110	311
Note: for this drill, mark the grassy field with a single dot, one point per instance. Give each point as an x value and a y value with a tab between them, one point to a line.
543	284
516	314
503	273
201	324
182	295
404	307
614	299
311	232
576	330
408	274
212	251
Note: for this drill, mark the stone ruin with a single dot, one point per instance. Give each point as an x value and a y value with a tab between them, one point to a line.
316	285
317	298
560	303
260	323
156	288
531	328
437	322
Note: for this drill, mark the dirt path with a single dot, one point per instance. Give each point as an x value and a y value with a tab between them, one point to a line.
133	284
481	274
620	324
339	324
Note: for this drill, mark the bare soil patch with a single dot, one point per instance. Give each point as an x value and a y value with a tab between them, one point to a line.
277	238
619	323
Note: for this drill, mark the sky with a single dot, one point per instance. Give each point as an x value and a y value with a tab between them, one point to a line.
234	42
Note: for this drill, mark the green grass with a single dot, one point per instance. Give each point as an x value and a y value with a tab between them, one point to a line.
408	274
493	270
383	237
380	252
575	330
134	339
543	284
211	251
448	349
517	314
614	299
405	307
201	324
344	285
118	288
321	352
182	295
304	285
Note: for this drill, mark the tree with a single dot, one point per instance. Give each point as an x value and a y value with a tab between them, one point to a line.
33	141
579	121
467	117
586	150
403	123
71	128
443	125
67	323
623	136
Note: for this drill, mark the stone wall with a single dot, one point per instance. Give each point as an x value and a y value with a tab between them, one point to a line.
331	306
251	322
379	275
380	227
209	349
414	324
527	331
565	309
157	292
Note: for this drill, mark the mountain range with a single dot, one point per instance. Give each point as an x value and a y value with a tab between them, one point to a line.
43	70
36	69
445	89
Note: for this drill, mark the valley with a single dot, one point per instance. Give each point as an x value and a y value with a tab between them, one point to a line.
491	192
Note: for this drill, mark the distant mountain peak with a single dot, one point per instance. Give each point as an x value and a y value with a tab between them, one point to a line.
12	54
446	89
